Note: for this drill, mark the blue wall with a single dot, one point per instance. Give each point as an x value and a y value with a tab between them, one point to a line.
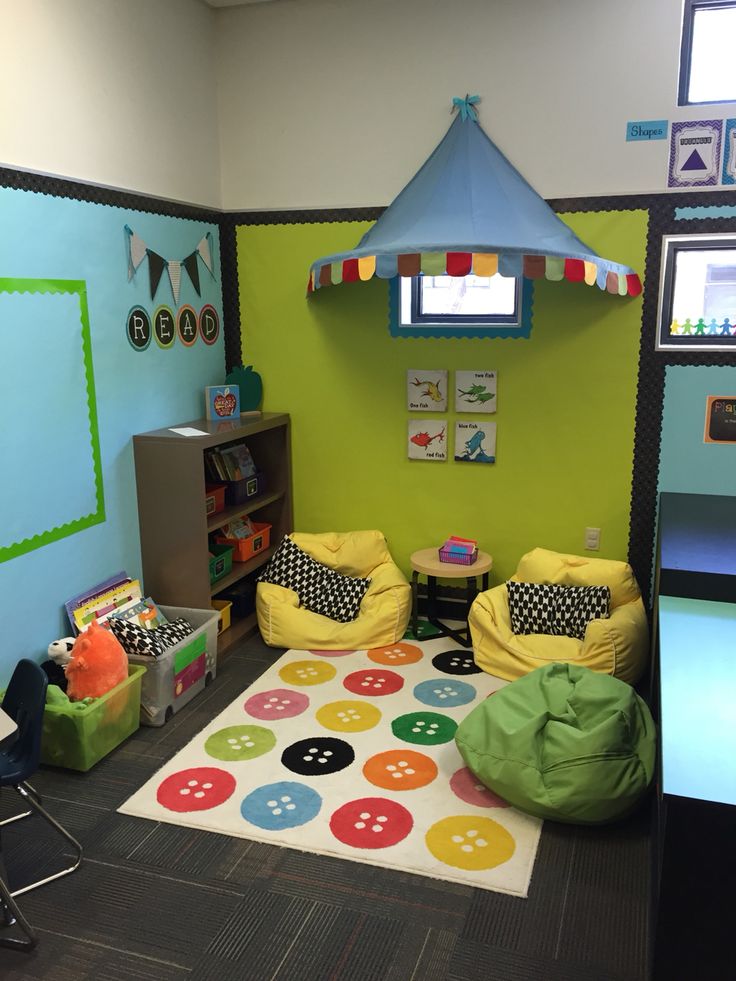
687	464
45	436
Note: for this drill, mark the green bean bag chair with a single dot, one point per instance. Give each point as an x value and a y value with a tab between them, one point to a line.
564	743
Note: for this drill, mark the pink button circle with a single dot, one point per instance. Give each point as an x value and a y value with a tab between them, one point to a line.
465	785
332	653
277	703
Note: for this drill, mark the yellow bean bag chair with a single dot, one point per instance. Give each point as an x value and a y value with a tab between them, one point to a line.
384	609
617	645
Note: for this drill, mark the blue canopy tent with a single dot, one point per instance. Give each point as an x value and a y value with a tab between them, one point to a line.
468	211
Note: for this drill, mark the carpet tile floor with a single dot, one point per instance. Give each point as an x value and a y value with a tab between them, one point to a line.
157	902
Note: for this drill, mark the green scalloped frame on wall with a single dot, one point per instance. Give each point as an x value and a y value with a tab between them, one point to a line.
97	515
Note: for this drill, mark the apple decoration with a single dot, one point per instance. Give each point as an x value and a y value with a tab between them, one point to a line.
225	403
250	384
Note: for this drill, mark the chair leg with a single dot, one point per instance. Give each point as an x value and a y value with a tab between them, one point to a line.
23	814
35	805
13	916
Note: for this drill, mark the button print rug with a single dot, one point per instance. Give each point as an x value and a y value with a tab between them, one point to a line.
352	754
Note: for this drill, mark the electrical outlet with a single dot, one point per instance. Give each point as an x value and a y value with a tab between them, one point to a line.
592	539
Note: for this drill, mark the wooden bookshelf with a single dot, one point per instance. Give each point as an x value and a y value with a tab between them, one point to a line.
174	527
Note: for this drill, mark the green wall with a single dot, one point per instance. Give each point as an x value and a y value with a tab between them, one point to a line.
566	401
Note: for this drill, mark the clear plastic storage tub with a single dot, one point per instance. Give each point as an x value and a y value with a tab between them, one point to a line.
182	671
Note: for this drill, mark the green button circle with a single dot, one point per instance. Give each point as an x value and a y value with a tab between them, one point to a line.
240	743
424	728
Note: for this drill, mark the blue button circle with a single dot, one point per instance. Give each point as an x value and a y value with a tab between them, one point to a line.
277	806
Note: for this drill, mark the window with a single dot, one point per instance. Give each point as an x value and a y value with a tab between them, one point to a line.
706	52
461	306
697	303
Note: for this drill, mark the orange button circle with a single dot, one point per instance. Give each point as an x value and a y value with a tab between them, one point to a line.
396	654
400	769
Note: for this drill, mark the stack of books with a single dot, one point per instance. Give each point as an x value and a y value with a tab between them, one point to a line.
461	551
118	596
229	463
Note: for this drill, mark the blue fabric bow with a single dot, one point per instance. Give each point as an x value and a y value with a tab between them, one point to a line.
466	107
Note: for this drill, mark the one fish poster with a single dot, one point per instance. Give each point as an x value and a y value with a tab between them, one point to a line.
475	442
427	439
475	391
426	391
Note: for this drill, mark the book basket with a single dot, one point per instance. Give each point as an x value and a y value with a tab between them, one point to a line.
457	558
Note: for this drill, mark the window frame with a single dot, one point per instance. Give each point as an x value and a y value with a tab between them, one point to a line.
690	8
671	246
456	325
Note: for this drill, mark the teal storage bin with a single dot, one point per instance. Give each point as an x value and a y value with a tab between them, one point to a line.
76	736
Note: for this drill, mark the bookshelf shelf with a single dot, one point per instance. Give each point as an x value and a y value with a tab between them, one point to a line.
174	527
240	510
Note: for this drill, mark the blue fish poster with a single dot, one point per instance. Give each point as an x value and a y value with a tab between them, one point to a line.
475	442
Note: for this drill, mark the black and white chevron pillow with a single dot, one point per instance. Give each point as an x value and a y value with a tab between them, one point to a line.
342	596
319	588
152	643
562	611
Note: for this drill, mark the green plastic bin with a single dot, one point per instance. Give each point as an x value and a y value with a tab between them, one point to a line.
221	561
77	736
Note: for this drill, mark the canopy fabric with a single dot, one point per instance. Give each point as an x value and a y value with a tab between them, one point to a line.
469	211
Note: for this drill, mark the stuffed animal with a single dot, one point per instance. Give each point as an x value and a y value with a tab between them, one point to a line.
60	651
98	663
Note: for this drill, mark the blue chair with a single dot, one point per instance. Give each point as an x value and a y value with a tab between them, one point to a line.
24	702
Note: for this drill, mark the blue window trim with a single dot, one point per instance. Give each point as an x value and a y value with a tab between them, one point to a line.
460	329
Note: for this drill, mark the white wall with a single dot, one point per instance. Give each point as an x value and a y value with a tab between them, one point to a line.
114	92
335	103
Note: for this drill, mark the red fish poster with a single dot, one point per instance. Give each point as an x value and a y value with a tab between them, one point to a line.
427	439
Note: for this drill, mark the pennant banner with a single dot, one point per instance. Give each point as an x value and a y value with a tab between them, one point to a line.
137	250
204	252
155	267
175	278
190	264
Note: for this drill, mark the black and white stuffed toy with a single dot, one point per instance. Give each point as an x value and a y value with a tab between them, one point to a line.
60	654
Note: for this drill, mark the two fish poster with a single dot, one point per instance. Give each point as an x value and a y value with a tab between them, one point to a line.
474	392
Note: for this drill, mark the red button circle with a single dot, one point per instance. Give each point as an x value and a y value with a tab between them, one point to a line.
371	822
374	682
196	789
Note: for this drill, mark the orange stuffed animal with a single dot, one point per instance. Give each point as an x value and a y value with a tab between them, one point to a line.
98	663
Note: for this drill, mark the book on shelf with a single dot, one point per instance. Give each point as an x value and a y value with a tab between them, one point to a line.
142	612
229	463
238	461
238	528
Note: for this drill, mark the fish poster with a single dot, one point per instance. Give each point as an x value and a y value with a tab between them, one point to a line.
475	391
427	439
426	391
475	442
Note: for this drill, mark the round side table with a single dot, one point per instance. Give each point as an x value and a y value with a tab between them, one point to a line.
427	562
